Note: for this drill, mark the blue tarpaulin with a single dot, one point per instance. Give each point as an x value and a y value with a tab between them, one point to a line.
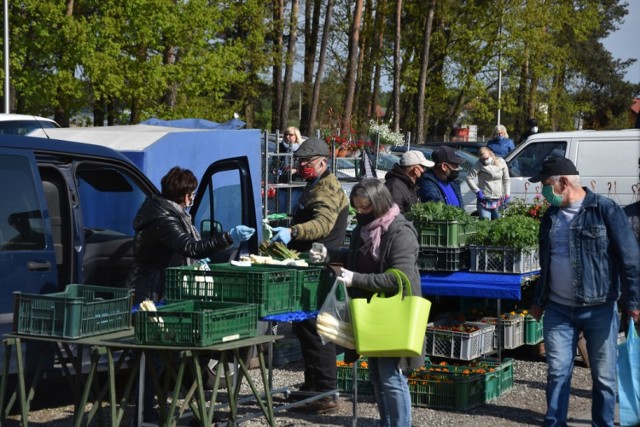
195	123
477	285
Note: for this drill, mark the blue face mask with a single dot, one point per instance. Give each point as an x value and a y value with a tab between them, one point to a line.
551	197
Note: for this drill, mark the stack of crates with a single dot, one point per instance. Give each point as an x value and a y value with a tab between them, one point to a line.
443	244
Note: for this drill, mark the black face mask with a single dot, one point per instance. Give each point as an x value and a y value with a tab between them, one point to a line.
453	175
364	219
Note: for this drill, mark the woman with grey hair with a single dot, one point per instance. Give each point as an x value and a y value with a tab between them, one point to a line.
500	143
382	239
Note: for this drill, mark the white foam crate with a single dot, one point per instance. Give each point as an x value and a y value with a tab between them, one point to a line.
457	344
503	259
513	332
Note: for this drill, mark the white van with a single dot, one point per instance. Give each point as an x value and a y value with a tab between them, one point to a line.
608	163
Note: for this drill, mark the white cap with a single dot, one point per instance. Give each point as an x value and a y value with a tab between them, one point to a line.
412	158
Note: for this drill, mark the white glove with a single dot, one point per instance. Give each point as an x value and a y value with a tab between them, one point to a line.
346	277
318	253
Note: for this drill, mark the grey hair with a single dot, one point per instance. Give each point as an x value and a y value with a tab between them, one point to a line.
498	129
574	180
376	192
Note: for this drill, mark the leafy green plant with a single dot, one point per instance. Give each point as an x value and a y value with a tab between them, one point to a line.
516	231
438	211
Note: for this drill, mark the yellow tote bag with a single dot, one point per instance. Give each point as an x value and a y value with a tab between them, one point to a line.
390	327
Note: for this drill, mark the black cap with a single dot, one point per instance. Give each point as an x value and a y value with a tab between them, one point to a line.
555	166
447	154
532	122
312	147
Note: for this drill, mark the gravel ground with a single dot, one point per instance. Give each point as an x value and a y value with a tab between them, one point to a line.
523	405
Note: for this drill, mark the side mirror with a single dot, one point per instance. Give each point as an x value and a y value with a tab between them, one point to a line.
208	228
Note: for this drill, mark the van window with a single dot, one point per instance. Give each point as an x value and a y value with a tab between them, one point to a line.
224	199
21	223
529	161
109	198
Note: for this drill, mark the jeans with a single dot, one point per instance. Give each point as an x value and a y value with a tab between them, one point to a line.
485	213
561	328
391	391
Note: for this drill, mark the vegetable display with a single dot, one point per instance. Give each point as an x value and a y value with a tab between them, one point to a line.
518	232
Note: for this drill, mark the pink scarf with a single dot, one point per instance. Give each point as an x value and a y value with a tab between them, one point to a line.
372	232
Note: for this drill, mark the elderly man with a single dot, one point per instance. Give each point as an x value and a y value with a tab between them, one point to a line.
320	216
440	183
401	180
588	256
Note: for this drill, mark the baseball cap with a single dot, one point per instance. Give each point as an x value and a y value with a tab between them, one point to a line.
412	158
554	166
446	154
312	147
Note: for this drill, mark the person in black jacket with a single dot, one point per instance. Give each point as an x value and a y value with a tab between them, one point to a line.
401	180
166	237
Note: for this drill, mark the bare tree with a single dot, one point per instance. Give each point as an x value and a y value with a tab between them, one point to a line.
397	68
376	54
323	53
312	14
278	12
288	71
424	66
352	63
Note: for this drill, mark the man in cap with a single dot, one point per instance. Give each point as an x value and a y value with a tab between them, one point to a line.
439	183
533	129
402	178
588	256
320	217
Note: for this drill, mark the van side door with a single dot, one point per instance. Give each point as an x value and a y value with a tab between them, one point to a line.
27	255
224	199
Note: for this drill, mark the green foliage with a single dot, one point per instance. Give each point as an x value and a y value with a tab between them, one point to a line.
519	207
514	231
438	211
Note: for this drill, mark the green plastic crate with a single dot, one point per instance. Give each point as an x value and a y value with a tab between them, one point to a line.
80	311
314	283
196	323
443	259
274	290
445	234
533	330
447	391
345	378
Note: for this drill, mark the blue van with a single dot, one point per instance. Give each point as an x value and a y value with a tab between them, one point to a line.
67	212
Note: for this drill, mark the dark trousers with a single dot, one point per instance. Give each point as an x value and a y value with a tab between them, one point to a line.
320	373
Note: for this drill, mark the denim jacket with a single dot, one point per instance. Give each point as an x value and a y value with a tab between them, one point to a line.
604	255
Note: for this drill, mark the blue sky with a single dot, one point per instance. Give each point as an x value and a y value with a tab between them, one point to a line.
625	43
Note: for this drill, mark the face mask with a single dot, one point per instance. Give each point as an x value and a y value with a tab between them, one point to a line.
487	162
453	175
551	197
534	129
309	172
364	219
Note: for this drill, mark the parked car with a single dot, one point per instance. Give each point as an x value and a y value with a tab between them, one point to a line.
22	124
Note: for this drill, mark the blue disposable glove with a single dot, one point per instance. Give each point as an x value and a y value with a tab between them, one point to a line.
282	234
241	233
480	195
506	200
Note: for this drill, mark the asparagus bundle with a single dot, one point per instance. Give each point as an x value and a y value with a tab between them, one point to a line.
277	250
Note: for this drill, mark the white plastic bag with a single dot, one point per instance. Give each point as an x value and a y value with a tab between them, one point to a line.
334	319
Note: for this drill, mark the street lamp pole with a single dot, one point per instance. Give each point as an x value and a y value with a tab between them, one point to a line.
6	56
